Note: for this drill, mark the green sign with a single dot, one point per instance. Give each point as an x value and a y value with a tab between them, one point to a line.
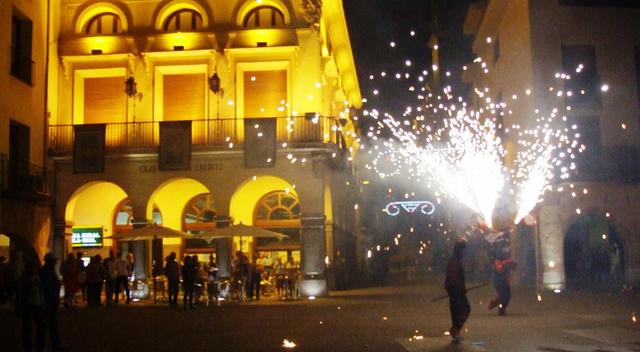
86	236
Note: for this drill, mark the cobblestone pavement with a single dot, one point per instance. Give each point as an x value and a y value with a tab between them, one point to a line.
373	319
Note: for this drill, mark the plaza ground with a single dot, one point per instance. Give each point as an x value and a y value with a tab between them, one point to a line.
398	318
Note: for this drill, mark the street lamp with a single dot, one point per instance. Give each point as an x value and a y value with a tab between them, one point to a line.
215	87
131	87
214	84
131	90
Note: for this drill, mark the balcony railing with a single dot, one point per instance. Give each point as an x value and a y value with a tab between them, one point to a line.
125	137
25	180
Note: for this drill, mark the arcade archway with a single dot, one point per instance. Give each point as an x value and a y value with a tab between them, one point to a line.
170	199
594	254
91	208
269	202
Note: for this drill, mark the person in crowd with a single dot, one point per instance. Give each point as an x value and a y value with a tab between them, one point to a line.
188	281
212	280
172	272
123	271
241	273
278	271
255	276
82	275
4	279
455	286
198	286
51	291
15	270
291	272
110	275
503	265
29	304
130	262
95	275
69	271
614	260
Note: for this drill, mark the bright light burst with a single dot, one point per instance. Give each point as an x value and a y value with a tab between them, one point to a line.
459	153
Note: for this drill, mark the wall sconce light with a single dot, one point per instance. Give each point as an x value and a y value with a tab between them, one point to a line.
96	51
214	84
178	47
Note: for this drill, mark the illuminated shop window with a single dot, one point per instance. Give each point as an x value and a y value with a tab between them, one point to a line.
183	20
264	16
200	213
104	23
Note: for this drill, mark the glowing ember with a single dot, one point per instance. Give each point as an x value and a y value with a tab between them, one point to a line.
288	344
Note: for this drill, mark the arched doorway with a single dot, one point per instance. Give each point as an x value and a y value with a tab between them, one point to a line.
248	207
278	211
200	215
170	200
593	254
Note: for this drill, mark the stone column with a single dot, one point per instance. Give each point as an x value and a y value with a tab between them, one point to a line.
223	249
551	243
313	253
139	248
58	245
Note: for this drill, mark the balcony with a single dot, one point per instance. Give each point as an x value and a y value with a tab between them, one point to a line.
300	131
25	181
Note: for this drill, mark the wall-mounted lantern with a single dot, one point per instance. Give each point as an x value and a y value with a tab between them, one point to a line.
214	84
131	87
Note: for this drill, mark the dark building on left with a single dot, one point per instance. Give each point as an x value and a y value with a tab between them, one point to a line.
25	183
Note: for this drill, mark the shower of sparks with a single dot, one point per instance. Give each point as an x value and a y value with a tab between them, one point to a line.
459	152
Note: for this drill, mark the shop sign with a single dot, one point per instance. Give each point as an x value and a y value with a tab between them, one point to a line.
86	236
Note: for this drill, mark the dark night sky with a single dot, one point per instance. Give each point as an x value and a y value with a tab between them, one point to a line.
373	24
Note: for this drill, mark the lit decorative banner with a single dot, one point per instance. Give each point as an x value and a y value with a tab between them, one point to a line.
426	207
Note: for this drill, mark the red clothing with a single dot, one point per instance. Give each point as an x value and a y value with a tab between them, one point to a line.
70	275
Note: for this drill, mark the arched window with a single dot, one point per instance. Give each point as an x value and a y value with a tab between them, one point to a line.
183	20
278	209
104	23
200	213
264	16
123	218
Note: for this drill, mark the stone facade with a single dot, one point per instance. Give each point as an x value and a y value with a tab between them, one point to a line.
522	44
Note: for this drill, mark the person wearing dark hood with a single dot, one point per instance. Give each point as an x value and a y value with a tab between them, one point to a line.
30	305
188	281
172	272
51	291
457	291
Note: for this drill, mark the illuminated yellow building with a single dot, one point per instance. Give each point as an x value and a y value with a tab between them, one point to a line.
234	112
25	183
528	46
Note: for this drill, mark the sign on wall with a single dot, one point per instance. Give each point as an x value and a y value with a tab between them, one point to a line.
86	236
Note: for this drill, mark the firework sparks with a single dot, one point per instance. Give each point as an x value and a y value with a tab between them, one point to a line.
464	157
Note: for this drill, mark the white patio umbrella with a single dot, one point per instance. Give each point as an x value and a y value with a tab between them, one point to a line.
239	230
149	232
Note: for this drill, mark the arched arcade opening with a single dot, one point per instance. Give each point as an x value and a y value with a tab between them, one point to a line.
594	254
